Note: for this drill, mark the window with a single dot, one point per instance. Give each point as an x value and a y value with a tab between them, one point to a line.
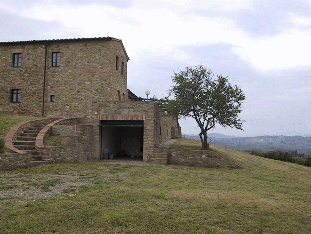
117	63
122	68
16	95
17	59
119	95
52	98
55	59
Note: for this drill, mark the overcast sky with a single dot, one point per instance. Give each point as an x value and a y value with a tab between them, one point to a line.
264	46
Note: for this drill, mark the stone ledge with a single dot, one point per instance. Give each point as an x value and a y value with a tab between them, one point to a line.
122	117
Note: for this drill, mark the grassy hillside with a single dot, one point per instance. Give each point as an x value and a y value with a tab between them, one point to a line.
266	196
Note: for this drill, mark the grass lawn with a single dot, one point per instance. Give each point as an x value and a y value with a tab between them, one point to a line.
266	196
187	144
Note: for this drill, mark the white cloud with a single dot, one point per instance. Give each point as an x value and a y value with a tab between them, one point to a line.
163	30
7	7
146	28
227	5
300	21
179	2
288	50
203	5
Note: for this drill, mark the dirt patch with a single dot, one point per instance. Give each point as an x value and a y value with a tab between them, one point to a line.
39	186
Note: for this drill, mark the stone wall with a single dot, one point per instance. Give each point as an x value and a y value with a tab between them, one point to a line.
130	110
15	161
87	73
79	141
160	156
149	112
28	78
204	158
166	127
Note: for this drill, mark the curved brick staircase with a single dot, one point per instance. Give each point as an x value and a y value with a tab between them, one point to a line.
22	137
26	140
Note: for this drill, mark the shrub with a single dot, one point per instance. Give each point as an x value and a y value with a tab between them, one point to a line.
308	162
284	156
1	146
273	155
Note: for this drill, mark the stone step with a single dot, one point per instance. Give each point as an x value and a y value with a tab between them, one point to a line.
32	131
161	161
36	158
25	138
37	126
29	134
160	151
32	152
157	152
161	156
33	143
25	147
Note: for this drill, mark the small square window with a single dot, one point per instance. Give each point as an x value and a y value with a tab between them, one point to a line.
117	63
55	59
52	98
17	59
16	95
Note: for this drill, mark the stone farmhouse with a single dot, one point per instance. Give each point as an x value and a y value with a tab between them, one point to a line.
80	85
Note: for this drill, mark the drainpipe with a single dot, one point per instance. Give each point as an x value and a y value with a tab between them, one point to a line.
44	78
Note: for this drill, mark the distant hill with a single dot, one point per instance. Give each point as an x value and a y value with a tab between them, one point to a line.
260	143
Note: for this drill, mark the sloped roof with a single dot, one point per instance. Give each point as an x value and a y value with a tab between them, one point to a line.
66	40
133	96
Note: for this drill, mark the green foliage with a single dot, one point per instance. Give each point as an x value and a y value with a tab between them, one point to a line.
209	101
1	146
308	162
284	156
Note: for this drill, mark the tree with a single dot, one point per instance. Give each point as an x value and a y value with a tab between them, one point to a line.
209	101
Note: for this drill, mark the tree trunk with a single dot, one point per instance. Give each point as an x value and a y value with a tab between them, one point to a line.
205	145
201	138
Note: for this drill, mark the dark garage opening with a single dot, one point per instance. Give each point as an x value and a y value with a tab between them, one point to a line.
122	139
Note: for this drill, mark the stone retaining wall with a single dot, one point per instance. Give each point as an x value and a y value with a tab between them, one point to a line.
204	158
14	161
79	141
